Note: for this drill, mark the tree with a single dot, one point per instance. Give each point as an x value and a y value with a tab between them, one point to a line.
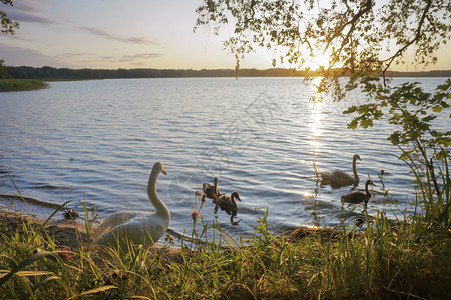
363	41
8	26
359	35
3	72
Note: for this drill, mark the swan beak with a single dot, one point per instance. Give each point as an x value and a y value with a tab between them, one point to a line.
238	198
164	172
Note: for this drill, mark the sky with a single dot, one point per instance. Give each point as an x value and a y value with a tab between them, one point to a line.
111	34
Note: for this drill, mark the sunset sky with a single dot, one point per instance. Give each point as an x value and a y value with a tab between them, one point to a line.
123	34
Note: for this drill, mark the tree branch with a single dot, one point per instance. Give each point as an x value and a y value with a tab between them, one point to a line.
366	8
409	43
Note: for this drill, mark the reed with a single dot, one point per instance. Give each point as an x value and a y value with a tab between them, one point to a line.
409	259
10	85
404	258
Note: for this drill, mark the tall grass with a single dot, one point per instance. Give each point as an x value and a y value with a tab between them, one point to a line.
407	258
10	85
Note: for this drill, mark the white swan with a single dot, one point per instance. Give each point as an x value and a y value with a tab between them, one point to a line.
338	178
211	189
228	203
358	196
140	228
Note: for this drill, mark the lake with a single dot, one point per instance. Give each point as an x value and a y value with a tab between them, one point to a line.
96	141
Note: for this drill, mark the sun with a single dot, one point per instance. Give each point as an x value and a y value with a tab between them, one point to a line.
318	60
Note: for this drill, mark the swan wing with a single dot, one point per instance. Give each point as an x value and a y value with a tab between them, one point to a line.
112	221
145	229
154	228
338	177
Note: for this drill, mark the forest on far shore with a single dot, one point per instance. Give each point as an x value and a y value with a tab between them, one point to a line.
49	73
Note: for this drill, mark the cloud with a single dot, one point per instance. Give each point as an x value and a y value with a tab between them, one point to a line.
17	56
73	54
130	40
28	7
27	12
140	56
23	17
17	36
144	55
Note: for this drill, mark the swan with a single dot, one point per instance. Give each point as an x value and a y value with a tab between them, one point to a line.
144	228
228	203
358	196
211	189
339	178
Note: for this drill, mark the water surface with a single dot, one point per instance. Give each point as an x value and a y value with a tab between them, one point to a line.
96	141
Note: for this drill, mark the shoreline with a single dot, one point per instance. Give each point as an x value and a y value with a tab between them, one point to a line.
71	233
67	233
19	85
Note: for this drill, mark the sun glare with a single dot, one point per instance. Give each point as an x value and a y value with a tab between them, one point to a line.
318	60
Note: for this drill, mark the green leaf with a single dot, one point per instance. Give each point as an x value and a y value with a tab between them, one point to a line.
353	124
94	291
394	138
350	110
366	123
28	261
437	108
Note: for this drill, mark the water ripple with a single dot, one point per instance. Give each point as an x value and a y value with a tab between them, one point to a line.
96	141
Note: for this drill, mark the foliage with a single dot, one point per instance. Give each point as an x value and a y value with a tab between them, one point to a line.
8	26
385	261
424	147
3	71
9	85
412	109
362	38
361	35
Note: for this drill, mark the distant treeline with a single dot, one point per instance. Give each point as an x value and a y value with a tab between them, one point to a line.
48	73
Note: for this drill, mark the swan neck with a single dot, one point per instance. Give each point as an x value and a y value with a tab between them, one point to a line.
160	207
367	191
354	169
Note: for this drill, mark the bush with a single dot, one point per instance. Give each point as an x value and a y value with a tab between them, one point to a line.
10	85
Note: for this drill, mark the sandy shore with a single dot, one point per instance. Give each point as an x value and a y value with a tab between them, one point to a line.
67	233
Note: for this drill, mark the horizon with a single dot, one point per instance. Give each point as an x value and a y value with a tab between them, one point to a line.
220	69
143	34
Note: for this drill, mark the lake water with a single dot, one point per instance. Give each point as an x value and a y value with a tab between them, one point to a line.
96	141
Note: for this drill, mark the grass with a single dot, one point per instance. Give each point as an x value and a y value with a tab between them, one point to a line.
408	258
10	85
